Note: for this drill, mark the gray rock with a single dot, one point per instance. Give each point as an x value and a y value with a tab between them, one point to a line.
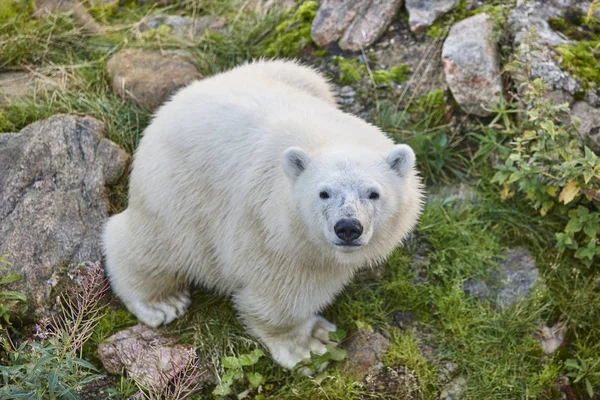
552	337
148	357
365	352
46	8
332	19
52	199
589	121
519	275
264	6
454	390
184	26
472	64
476	288
149	77
423	13
369	25
25	84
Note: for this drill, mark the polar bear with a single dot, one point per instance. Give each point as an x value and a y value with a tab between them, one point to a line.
254	184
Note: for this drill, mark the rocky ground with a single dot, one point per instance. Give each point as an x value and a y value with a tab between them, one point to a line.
495	296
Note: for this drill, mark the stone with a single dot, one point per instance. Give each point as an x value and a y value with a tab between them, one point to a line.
423	13
476	288
404	320
53	200
332	19
149	77
369	25
472	64
518	276
184	26
454	389
45	8
589	122
148	358
15	85
393	383
265	6
365	351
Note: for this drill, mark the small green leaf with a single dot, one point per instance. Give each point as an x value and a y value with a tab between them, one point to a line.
337	354
589	388
255	379
230	362
338	335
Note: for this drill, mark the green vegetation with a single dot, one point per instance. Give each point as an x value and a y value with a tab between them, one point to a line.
293	34
9	299
398	73
582	60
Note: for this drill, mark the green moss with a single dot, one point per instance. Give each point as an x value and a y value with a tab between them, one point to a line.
293	35
398	73
576	26
582	60
351	70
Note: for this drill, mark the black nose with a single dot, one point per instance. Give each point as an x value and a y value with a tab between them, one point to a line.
348	229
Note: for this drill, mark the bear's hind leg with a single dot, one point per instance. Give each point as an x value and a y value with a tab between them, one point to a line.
137	276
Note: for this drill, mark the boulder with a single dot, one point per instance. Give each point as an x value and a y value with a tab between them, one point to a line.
184	26
149	358
472	64
53	200
332	19
368	26
356	24
423	13
15	85
149	77
365	351
589	122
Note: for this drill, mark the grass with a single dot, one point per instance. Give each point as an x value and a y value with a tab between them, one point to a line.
496	351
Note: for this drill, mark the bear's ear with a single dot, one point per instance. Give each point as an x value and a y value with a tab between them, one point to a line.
401	159
295	161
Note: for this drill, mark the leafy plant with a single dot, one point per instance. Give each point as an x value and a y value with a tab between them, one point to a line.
293	34
8	298
583	370
559	175
237	374
50	366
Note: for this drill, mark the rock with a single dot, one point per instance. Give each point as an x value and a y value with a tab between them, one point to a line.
148	77
24	84
365	351
446	371
551	338
404	320
476	288
44	8
357	24
454	390
472	64
518	276
264	6
148	357
423	13
393	383
52	199
368	25
332	19
589	121
184	26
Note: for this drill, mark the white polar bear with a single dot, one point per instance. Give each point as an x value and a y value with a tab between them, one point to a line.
254	184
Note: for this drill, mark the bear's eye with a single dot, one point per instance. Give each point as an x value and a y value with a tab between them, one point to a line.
324	195
374	196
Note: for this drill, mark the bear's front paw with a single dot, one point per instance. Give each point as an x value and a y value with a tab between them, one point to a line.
162	312
297	346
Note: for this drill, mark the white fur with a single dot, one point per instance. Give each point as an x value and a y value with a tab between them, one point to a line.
225	193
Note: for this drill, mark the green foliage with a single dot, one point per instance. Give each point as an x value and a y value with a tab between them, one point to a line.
398	73
582	59
51	367
293	34
559	175
584	370
9	299
237	375
351	70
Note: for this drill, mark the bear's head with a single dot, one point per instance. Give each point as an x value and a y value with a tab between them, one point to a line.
356	203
